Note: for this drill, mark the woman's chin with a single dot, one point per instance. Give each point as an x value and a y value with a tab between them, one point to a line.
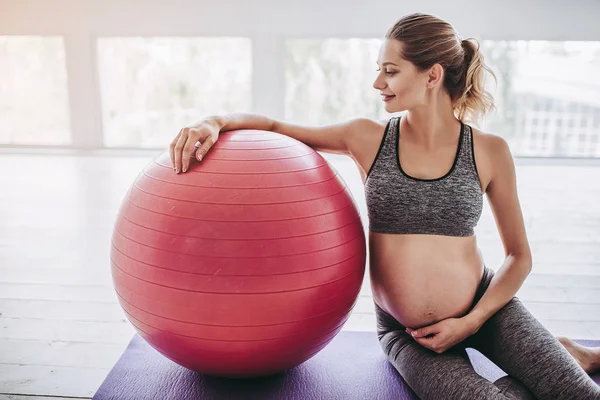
394	108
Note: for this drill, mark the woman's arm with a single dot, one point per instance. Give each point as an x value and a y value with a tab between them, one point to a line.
332	138
504	202
337	138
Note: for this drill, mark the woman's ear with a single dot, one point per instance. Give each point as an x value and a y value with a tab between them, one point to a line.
435	76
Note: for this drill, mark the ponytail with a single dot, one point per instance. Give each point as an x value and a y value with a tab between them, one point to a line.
474	101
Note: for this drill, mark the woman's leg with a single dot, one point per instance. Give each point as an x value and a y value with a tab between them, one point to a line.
519	344
430	375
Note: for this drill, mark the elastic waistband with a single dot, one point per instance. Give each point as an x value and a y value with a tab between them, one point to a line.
486	278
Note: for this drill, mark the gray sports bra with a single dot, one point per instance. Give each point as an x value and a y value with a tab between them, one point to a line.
398	203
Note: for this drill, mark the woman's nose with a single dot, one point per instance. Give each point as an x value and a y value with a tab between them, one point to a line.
377	84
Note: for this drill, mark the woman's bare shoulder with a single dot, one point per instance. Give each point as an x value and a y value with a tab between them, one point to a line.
364	132
365	141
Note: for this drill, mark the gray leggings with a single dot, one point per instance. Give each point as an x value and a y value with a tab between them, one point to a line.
538	366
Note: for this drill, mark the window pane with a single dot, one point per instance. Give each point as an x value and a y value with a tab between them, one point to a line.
331	80
34	104
548	96
153	87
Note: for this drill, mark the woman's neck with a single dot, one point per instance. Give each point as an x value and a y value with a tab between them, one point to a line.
430	128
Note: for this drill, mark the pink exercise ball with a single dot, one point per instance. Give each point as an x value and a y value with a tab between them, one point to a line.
246	265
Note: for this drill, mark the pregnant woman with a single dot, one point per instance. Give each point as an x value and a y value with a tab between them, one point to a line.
425	174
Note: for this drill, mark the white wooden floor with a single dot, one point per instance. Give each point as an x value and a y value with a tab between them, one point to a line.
61	328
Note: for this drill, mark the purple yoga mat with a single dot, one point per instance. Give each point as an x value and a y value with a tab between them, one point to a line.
352	366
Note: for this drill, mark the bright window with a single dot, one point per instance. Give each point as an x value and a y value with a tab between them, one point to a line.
548	96
152	87
331	80
34	102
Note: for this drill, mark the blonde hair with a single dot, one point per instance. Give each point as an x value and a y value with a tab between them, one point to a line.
428	40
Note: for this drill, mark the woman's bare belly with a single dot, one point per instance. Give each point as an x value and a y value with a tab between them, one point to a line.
423	279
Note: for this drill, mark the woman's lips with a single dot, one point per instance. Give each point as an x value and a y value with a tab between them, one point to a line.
387	98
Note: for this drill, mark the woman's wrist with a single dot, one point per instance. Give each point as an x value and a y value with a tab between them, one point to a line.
474	321
215	121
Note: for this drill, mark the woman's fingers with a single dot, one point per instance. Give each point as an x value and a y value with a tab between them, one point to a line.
179	147
172	150
193	141
204	147
188	149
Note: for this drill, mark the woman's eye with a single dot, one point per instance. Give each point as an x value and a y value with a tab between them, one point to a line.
386	72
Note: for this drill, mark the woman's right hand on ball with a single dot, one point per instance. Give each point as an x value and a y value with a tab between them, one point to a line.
193	141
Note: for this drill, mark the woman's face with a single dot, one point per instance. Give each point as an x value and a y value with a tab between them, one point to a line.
399	78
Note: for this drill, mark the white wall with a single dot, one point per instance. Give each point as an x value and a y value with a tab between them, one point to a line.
268	23
511	19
